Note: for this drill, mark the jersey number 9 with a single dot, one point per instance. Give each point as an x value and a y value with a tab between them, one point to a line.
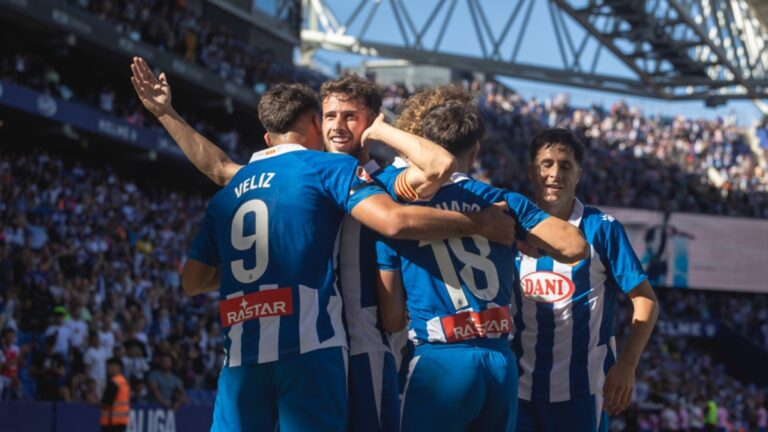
259	240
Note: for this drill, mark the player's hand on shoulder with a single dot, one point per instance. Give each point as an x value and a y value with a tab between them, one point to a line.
496	225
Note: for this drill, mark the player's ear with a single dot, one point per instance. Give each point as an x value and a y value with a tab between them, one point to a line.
268	139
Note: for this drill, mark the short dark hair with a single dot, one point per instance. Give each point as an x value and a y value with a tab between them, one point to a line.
550	137
282	105
355	88
456	125
115	361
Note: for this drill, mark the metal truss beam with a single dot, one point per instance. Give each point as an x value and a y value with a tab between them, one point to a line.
711	50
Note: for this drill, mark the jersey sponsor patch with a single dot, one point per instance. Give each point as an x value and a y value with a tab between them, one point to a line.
362	174
261	304
546	286
471	325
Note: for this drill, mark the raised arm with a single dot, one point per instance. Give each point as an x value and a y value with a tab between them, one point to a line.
562	241
155	94
431	164
414	222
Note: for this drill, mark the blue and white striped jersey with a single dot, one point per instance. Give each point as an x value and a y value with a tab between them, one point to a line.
564	315
460	288
358	288
358	273
274	232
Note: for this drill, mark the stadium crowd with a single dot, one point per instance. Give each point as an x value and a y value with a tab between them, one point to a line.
680	164
89	268
177	28
670	394
633	160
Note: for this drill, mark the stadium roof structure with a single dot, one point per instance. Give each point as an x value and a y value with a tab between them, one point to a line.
708	50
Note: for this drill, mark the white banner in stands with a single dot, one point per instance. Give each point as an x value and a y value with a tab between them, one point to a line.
687	250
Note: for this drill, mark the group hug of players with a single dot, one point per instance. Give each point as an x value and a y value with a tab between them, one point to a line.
322	258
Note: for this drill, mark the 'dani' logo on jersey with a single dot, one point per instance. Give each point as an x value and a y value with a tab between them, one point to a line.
546	286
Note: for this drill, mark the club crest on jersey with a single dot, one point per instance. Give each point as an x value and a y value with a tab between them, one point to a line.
362	174
546	286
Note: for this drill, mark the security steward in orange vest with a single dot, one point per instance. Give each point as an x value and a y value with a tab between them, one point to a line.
115	404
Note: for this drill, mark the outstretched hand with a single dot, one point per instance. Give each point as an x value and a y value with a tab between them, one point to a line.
154	92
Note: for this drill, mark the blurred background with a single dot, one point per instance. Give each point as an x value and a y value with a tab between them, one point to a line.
98	205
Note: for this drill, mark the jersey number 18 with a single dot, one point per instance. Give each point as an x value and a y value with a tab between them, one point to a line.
471	261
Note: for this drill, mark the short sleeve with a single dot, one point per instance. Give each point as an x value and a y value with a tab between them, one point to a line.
387	178
387	257
618	255
527	214
346	182
203	247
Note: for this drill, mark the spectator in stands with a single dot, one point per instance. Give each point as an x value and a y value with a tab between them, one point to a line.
107	100
697	415
78	328
95	360
106	331
165	387
10	359
60	330
670	421
49	370
136	365
139	392
82	388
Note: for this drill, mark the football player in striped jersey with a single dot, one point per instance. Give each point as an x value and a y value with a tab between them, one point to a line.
458	291
571	375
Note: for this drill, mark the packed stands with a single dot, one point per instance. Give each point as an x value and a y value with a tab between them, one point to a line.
90	267
90	258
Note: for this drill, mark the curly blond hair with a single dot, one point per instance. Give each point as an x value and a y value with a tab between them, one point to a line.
420	104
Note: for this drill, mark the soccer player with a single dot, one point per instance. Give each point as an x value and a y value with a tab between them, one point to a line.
571	375
464	374
155	94
350	108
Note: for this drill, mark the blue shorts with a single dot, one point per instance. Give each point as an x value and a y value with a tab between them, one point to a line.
374	403
580	414
471	385
306	392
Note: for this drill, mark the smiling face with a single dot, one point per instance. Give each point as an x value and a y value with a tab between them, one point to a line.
344	121
554	174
